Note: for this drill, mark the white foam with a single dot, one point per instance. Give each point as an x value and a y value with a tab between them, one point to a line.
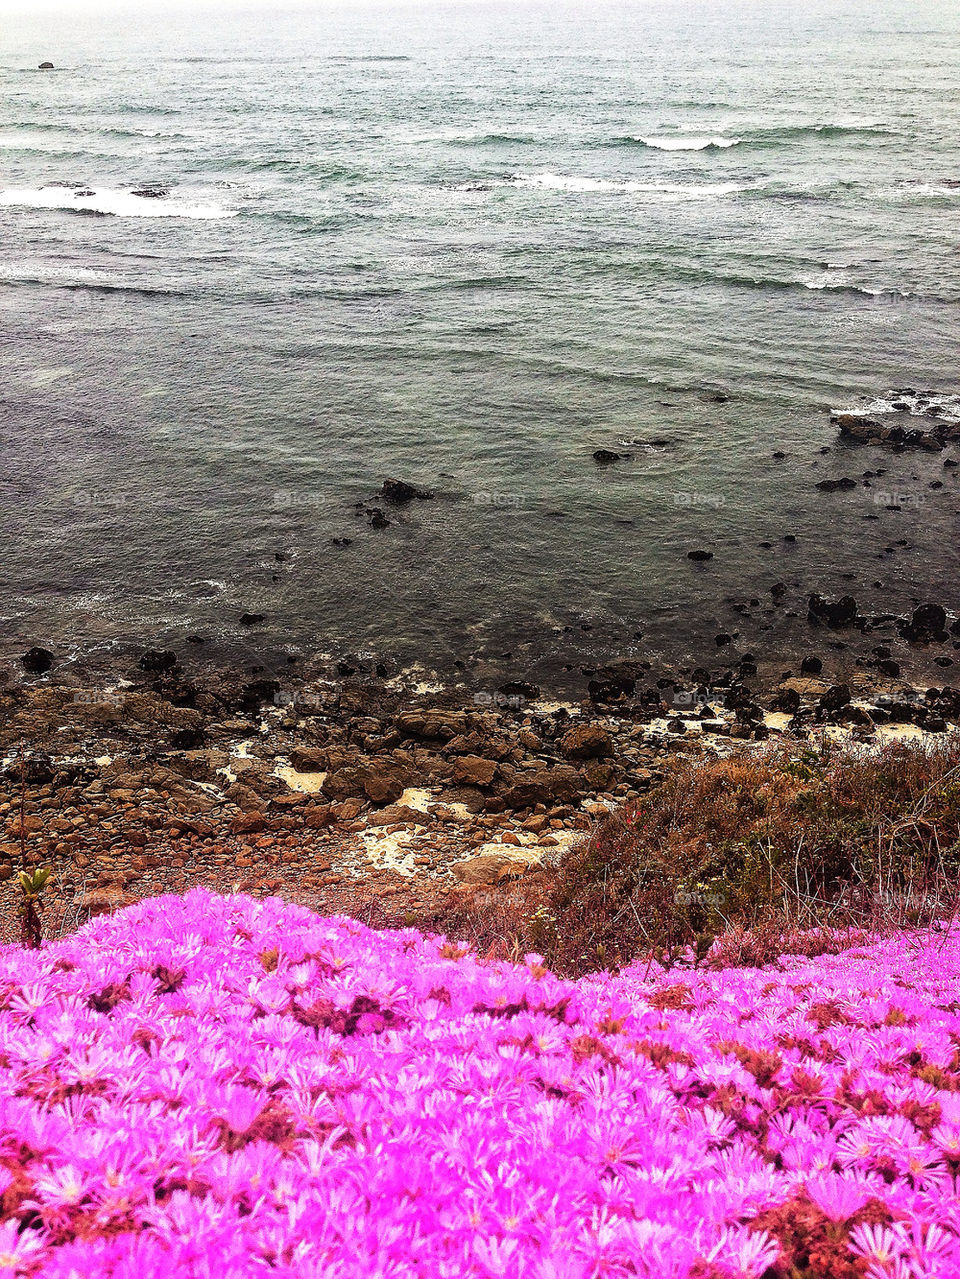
688	144
559	182
829	279
121	204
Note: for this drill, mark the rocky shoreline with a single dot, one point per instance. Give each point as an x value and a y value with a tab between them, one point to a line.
360	794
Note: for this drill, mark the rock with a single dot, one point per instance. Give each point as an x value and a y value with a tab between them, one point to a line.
841	612
520	690
835	697
854	426
600	776
472	770
248	823
604	457
37	661
786	700
251	619
151	193
543	786
398	815
586	741
401	492
46	66
699	557
489	869
928	622
307	759
811	666
830	486
383	785
104	901
35	769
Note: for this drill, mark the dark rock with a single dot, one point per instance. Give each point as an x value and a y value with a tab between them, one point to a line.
830	486
156	661
37	661
46	66
699	556
151	193
927	623
841	612
721	640
604	457
787	700
377	518
401	492
521	690
251	619
835	697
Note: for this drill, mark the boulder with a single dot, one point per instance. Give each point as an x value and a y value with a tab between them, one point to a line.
473	770
401	492
928	622
398	814
489	869
37	661
604	457
586	741
46	66
841	612
699	557
382	785
835	697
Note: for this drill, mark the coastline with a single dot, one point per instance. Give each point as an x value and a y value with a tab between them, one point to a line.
374	796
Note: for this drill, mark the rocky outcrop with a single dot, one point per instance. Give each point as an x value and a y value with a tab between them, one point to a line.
400	492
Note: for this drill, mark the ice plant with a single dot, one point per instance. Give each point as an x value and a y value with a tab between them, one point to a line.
208	1086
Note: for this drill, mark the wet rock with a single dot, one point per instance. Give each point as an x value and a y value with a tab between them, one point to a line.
521	689
605	457
927	624
251	619
835	697
811	666
151	193
586	741
46	66
841	612
787	700
400	492
157	661
377	519
37	661
831	486
699	557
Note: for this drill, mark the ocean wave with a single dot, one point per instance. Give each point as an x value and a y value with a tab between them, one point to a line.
679	143
561	182
911	402
105	202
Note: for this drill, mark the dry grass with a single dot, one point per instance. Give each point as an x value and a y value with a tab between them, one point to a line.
789	849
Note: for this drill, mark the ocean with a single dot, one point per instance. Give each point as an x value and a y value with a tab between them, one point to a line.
253	264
